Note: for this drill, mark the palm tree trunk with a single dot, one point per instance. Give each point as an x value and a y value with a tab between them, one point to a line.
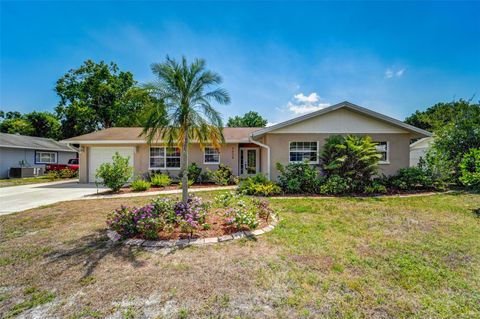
184	166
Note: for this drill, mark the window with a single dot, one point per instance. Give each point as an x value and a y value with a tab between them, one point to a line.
45	157
300	151
382	148
164	157
211	156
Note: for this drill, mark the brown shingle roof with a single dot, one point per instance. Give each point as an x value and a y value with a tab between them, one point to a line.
132	134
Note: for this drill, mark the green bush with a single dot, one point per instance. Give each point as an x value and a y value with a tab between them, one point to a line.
68	173
412	178
140	185
298	178
375	188
223	175
351	157
470	169
190	183
335	185
160	180
115	175
194	172
53	175
258	185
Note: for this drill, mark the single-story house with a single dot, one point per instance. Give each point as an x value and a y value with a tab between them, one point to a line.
419	150
30	151
256	150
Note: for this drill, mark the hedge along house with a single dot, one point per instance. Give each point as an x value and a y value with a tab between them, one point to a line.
256	150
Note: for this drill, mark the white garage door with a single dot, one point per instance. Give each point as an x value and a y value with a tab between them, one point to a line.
99	155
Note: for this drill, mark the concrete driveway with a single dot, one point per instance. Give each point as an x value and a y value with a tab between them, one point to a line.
19	198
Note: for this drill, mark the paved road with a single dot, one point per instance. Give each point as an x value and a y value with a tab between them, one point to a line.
19	198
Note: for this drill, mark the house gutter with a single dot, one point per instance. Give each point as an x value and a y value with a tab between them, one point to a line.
268	153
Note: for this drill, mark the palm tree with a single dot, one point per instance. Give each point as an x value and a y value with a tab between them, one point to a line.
185	114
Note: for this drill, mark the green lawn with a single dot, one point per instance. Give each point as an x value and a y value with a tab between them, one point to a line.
415	257
25	181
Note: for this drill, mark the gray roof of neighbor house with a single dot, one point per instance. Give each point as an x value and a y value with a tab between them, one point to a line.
119	135
32	142
353	107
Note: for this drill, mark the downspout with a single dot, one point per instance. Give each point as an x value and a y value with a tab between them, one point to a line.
268	153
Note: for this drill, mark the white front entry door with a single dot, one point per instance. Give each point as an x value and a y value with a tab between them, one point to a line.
98	155
249	161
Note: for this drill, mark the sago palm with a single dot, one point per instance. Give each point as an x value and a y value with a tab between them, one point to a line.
185	114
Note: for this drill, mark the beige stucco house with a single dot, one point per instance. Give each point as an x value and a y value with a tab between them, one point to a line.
256	150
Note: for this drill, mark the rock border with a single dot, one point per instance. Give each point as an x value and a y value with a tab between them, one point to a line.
180	243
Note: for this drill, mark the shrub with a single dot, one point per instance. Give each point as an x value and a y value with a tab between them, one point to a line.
242	217
149	227
194	172
122	221
191	214
189	183
223	175
160	180
225	199
140	185
115	175
205	177
68	173
351	157
297	178
258	185
335	185
412	178
53	175
470	169
375	188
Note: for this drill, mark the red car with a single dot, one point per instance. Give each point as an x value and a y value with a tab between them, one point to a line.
72	164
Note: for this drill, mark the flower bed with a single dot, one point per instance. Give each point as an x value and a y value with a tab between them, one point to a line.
167	219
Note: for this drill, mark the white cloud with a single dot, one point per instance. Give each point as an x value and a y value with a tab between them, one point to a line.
305	108
271	123
312	98
390	73
306	103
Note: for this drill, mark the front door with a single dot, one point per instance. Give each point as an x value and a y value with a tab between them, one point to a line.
249	161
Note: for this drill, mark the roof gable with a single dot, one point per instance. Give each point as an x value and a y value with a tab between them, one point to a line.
344	117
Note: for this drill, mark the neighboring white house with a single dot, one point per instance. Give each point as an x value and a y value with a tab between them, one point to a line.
419	150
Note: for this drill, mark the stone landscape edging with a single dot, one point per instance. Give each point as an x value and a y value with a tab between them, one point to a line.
180	243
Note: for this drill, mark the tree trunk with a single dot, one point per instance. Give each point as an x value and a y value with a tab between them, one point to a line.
184	166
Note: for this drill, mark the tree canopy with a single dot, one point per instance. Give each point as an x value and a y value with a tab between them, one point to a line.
437	116
97	96
249	119
41	124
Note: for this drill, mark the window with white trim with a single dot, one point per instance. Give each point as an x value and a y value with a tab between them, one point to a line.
300	151
382	149
45	157
162	157
211	155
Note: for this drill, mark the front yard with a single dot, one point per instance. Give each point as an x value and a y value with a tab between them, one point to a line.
335	258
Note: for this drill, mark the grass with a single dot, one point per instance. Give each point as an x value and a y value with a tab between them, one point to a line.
415	257
26	181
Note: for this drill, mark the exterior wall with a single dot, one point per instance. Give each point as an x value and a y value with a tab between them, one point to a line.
341	121
11	157
416	154
141	160
398	149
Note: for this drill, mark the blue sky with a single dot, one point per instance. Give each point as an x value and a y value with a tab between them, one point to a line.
280	59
